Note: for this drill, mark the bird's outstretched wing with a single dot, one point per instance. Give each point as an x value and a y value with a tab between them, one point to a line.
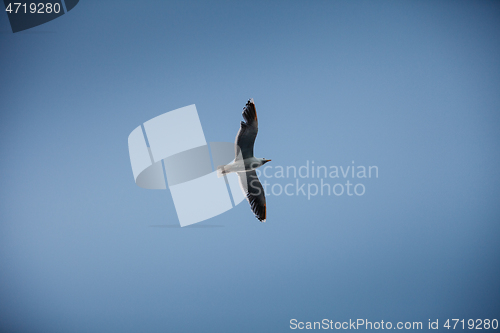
245	138
252	187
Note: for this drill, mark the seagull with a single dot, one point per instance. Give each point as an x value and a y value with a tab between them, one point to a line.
245	163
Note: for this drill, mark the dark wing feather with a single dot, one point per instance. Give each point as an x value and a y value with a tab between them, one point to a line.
245	138
254	192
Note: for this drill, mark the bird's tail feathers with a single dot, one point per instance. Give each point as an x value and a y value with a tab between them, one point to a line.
221	171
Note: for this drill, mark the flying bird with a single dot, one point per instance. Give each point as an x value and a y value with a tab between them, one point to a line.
245	163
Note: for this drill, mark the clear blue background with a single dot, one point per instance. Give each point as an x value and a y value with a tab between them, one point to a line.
409	86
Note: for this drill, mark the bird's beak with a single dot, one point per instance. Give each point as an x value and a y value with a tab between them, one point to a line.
267	161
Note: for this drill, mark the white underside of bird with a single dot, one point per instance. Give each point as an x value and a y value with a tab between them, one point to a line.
240	165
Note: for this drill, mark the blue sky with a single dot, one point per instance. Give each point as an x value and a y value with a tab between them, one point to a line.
408	86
